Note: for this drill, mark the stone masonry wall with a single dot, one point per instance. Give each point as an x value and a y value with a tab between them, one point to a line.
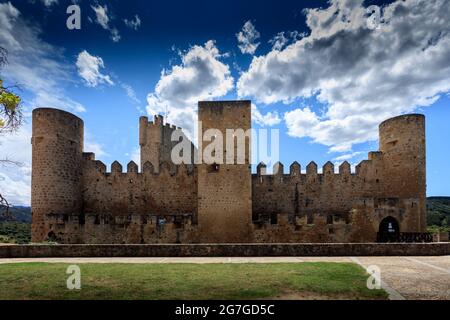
133	207
224	190
345	206
75	199
226	250
56	167
155	140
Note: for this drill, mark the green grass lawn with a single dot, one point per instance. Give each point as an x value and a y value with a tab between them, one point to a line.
188	281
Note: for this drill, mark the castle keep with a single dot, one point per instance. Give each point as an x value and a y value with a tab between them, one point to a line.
76	200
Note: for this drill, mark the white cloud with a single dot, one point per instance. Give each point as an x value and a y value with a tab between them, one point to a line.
35	65
200	76
130	92
348	156
133	23
247	38
39	68
102	18
361	76
89	69
115	35
281	39
15	180
301	122
56	99
338	134
269	119
95	147
101	13
49	3
16	191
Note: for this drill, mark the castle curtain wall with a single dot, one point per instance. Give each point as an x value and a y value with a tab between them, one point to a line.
76	200
343	206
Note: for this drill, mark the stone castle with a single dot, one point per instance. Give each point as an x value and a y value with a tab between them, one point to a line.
76	200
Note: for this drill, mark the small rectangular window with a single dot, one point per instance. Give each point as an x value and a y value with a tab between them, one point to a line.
273	218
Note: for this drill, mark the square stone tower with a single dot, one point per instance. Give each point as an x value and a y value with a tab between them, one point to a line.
224	186
155	141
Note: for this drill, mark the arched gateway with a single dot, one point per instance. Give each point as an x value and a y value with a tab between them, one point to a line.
389	230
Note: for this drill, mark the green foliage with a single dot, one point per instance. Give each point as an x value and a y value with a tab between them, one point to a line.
10	111
438	214
188	281
8	99
5	239
16	227
17	214
15	232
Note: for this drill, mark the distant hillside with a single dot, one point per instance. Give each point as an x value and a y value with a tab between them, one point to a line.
16	227
438	211
17	214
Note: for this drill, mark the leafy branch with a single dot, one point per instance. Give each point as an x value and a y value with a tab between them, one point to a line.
10	120
10	111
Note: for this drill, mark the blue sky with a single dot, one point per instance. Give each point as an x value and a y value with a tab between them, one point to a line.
318	71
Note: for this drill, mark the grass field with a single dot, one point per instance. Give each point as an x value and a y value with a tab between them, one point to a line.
314	280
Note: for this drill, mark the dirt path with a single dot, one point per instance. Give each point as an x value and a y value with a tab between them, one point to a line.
414	278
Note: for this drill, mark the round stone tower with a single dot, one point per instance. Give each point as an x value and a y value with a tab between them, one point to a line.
402	141
57	145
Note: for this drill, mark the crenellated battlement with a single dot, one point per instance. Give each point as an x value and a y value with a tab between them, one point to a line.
158	121
327	170
166	168
77	199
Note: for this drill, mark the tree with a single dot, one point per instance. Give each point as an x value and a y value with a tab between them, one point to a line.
10	111
10	118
